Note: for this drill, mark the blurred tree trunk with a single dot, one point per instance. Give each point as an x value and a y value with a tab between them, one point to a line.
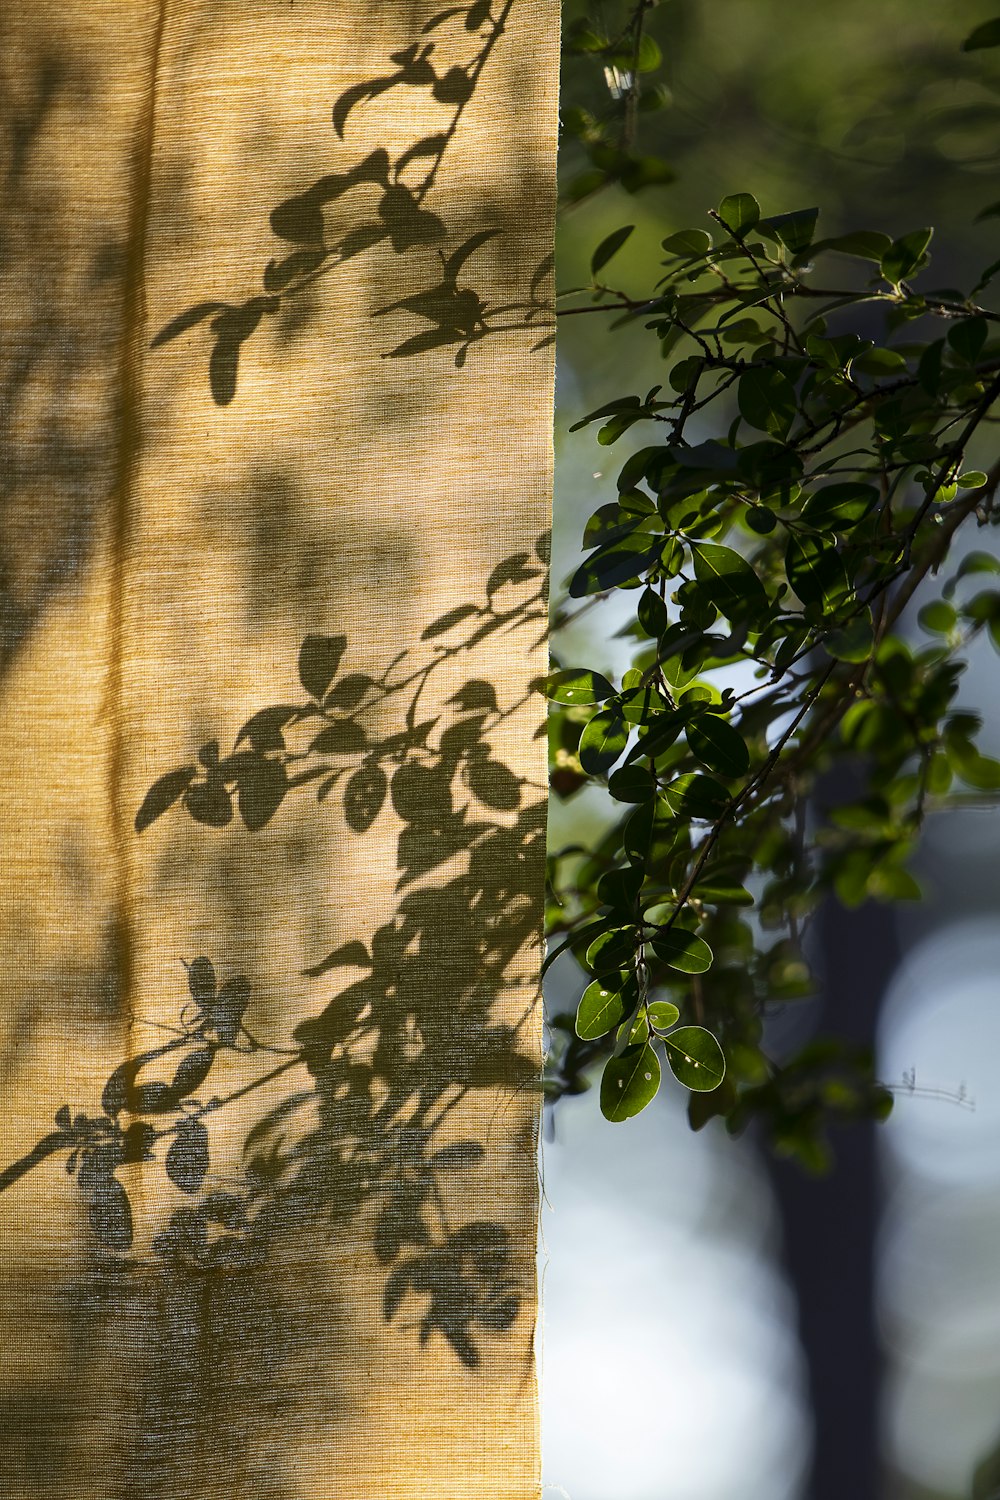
830	1222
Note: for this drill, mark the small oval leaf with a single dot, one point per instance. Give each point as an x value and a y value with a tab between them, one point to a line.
683	950
721	747
695	1057
603	1007
629	1082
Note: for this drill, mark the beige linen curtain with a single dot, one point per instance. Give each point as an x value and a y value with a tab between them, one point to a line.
276	391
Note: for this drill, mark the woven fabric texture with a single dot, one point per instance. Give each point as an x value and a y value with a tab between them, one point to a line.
277	381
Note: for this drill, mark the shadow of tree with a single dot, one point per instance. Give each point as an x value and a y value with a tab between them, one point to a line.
388	196
378	1070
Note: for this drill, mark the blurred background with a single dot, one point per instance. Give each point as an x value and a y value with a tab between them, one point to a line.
717	1326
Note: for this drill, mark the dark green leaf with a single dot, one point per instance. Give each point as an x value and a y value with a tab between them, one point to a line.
879	362
838	507
730	581
696	796
968	337
602	742
688	243
612	950
795	230
616	563
767	400
632	784
865	244
718	745
609	247
815	571
906	255
985	35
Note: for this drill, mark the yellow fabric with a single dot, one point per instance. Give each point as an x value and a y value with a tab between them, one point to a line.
334	1308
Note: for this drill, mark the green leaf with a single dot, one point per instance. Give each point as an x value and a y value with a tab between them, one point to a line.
696	796
319	659
604	1005
865	244
837	507
662	1015
852	642
739	213
879	362
795	230
718	745
730	581
985	35
976	770
968	337
688	243
609	247
972	562
652	614
682	950
638	172
632	784
767	400
906	255
815	571
577	685
937	617
629	1083
602	742
612	950
695	1057
615	563
972	479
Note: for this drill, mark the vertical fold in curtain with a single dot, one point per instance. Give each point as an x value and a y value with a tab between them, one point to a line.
276	409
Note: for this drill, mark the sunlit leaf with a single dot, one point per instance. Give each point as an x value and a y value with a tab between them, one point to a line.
577	685
695	1058
629	1082
604	1006
683	950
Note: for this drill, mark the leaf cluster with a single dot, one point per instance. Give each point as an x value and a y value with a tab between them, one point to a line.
811	454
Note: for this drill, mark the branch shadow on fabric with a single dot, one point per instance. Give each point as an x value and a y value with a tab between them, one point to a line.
380	200
355	1133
